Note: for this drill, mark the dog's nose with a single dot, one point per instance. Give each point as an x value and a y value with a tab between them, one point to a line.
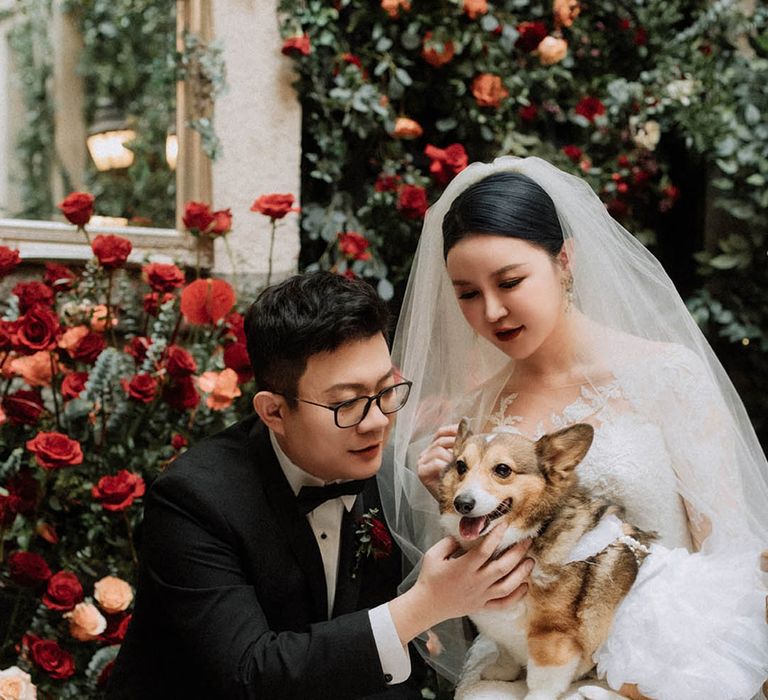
464	503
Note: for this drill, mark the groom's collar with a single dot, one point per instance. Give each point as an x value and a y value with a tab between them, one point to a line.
297	477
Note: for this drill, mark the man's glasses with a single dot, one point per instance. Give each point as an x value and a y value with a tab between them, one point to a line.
348	414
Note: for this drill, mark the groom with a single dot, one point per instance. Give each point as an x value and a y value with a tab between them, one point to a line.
265	572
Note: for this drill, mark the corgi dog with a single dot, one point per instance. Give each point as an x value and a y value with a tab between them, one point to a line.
586	557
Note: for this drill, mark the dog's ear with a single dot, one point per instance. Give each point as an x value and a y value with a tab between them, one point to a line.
463	434
560	452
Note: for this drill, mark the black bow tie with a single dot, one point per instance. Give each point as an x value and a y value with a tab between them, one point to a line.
310	497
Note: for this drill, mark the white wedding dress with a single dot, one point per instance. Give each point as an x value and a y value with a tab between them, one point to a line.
692	627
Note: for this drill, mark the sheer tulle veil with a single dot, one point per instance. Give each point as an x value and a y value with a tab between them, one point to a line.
624	292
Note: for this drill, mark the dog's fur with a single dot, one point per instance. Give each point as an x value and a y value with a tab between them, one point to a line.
568	609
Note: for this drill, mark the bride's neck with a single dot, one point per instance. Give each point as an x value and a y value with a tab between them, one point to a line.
563	358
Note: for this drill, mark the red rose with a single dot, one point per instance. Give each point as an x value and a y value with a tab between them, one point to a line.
617	208
64	591
23	492
297	46
32	294
141	387
436	55
181	394
55	450
178	441
154	300
179	362
589	108
73	384
236	325
28	568
387	183
222	223
574	153
48	655
641	36
206	301
77	208
412	202
111	251
528	113
37	330
351	60
197	217
236	358
88	348
117	626
58	277
381	541
23	407
137	348
9	259
446	162
275	206
353	246
118	492
530	35
162	277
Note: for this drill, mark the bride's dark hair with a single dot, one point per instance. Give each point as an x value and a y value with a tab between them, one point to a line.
504	204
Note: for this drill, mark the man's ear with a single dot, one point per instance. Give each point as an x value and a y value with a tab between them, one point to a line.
271	409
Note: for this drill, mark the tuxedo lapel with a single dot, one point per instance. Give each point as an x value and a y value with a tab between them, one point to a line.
348	580
298	533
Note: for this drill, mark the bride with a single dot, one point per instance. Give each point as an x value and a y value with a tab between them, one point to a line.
529	309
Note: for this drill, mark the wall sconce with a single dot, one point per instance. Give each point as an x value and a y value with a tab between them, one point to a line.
108	136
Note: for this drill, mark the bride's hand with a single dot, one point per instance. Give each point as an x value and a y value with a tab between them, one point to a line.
436	457
629	690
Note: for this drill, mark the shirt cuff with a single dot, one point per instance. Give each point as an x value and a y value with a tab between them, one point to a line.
395	661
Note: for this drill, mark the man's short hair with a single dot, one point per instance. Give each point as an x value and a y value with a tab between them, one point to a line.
305	315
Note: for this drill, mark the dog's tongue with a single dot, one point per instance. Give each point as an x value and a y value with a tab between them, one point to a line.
470	528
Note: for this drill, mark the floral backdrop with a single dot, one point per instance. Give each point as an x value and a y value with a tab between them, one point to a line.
661	105
106	378
110	370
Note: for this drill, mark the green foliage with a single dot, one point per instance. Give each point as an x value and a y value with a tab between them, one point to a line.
683	85
32	52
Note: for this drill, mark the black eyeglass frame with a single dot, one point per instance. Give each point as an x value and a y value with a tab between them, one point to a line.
369	401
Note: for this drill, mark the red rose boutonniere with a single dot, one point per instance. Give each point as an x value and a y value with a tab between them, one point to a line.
373	539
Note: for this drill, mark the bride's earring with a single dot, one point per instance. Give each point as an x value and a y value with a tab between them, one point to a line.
567	282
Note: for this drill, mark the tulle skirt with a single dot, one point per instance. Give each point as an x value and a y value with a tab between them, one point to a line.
693	627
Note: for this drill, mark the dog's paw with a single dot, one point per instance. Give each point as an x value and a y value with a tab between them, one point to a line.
501	671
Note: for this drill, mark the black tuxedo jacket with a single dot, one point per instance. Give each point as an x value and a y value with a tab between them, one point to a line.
231	599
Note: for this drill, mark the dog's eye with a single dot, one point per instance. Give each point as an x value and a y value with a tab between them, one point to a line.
461	467
502	470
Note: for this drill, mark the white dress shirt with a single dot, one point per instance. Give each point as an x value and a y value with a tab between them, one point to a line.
325	521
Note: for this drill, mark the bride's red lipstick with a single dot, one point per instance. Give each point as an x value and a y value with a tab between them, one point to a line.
505	334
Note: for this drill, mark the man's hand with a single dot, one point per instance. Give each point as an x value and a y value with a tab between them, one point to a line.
451	586
436	457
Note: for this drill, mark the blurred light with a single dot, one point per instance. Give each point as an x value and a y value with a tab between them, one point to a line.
107	138
171	150
745	341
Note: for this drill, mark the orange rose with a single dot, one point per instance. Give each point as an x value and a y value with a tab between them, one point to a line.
552	50
113	594
35	370
221	388
72	336
99	318
406	128
86	622
565	12
475	8
488	90
434	56
392	7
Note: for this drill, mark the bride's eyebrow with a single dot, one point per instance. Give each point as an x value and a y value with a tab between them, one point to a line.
507	268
